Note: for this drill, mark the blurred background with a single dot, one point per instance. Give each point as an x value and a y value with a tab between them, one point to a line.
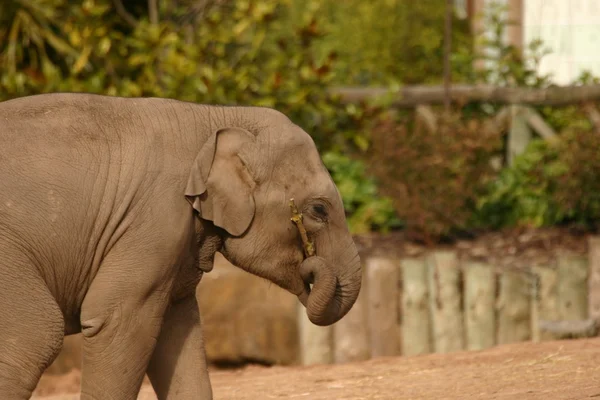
468	125
291	54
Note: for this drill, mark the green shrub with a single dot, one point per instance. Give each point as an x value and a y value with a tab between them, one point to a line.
550	183
521	195
240	52
388	42
366	210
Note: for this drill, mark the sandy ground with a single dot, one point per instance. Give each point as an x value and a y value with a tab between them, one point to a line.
550	370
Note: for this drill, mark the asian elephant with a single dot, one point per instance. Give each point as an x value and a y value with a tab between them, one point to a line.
111	209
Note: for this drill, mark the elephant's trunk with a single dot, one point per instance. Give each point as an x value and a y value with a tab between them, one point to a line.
333	292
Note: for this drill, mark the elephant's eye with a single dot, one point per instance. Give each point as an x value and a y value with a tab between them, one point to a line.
320	211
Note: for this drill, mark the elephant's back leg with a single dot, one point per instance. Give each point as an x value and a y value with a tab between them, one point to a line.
31	325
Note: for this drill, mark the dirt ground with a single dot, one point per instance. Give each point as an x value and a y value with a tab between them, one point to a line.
568	369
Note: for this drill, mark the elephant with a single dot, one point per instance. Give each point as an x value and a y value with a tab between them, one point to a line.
112	208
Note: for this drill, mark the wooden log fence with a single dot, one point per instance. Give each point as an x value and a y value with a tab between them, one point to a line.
413	95
520	121
438	303
480	321
544	301
416	326
382	306
445	305
514	307
594	278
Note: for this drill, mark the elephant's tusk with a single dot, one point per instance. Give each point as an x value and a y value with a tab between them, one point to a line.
309	248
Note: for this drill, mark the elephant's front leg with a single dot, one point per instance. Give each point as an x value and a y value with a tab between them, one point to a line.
178	369
121	318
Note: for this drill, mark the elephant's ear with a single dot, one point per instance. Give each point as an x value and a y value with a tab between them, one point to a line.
220	185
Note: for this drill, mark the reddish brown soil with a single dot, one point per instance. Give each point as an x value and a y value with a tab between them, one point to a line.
567	369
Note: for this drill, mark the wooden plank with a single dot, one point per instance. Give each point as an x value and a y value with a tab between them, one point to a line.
416	325
519	135
350	334
316	346
480	293
502	119
537	123
594	279
535	311
571	329
572	286
545	303
425	114
382	306
514	307
411	95
444	280
593	115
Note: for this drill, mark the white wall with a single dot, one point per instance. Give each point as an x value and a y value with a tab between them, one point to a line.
571	29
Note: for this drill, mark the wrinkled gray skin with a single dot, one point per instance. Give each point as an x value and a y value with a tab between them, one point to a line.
111	209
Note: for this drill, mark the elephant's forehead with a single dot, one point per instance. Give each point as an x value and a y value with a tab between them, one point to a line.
294	151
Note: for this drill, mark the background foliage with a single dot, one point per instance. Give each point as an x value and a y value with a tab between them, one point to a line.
285	54
434	176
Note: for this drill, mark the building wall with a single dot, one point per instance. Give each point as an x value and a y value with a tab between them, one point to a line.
571	29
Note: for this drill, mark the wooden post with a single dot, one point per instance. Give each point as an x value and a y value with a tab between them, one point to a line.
447	51
535	310
514	308
519	135
416	326
480	294
514	30
594	279
315	341
476	15
382	306
350	334
425	114
572	287
545	304
445	301
537	123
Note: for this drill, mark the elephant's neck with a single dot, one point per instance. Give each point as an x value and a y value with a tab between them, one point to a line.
208	119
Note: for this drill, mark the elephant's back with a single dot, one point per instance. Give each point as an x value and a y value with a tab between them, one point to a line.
55	165
63	118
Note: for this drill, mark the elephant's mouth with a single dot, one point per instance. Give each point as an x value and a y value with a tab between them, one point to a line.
307	288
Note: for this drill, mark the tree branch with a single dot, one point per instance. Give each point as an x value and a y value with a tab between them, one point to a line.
153	11
122	12
309	249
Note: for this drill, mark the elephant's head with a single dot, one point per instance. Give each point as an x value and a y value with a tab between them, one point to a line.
243	180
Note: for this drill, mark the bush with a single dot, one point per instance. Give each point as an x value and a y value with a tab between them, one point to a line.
389	42
366	210
550	183
241	52
433	177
